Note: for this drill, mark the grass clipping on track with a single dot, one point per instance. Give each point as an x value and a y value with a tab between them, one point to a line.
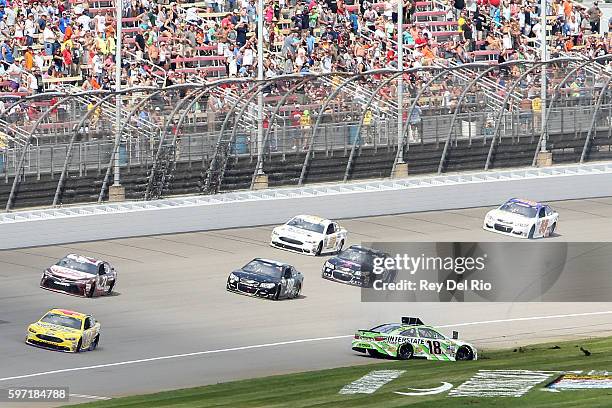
321	388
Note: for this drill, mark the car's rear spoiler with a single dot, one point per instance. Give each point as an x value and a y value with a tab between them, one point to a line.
412	321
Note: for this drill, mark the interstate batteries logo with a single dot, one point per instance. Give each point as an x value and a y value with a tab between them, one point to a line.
422	273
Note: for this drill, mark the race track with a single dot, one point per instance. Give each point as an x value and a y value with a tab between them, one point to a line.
171	301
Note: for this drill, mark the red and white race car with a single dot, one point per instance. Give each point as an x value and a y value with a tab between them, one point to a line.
80	276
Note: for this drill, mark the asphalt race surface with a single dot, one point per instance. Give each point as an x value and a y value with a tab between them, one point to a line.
171	323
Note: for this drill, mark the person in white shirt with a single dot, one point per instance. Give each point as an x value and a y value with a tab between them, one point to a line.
39	61
49	38
10	16
84	20
100	21
29	30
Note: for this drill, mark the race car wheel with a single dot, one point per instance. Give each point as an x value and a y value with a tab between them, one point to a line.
464	353
319	249
531	232
552	229
110	289
92	291
340	246
298	288
405	352
94	343
277	294
79	345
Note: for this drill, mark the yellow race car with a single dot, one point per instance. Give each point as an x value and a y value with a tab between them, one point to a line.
65	330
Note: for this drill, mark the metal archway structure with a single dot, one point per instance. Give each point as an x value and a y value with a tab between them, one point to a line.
272	122
458	107
162	139
214	160
504	103
365	111
75	132
587	141
400	149
317	123
550	106
118	142
17	178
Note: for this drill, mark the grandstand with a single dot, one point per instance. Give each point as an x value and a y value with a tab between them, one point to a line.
188	116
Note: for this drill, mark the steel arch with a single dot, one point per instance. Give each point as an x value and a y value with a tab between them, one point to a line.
162	137
458	107
365	110
71	143
549	106
503	110
25	148
274	114
118	141
417	97
315	127
587	141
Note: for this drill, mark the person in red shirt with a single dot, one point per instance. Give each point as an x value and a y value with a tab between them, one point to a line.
67	57
294	130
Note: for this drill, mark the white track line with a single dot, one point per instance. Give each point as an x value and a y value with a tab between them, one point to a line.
93	397
283	343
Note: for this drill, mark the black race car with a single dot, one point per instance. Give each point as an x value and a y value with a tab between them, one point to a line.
356	266
266	278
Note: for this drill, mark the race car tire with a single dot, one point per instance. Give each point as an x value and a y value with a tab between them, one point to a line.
531	232
340	246
552	229
405	352
79	345
464	353
110	289
277	294
297	291
374	353
94	343
319	249
92	291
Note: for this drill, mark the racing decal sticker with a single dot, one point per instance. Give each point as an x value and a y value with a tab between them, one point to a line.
591	380
427	391
501	383
369	383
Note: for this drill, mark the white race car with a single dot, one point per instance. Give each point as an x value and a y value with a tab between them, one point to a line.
310	235
522	219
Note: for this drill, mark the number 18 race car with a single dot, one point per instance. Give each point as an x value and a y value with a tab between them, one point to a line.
80	276
412	339
309	235
522	219
65	330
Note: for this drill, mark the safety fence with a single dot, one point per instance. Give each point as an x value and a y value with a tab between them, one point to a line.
222	125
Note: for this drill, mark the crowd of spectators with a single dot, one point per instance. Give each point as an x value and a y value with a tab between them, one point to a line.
176	43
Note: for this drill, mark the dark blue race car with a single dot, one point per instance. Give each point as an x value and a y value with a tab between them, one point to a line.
266	278
359	266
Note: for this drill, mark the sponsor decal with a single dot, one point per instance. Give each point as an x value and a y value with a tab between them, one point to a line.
501	383
575	381
369	383
427	391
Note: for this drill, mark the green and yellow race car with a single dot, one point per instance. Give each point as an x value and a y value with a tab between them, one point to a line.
412	339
